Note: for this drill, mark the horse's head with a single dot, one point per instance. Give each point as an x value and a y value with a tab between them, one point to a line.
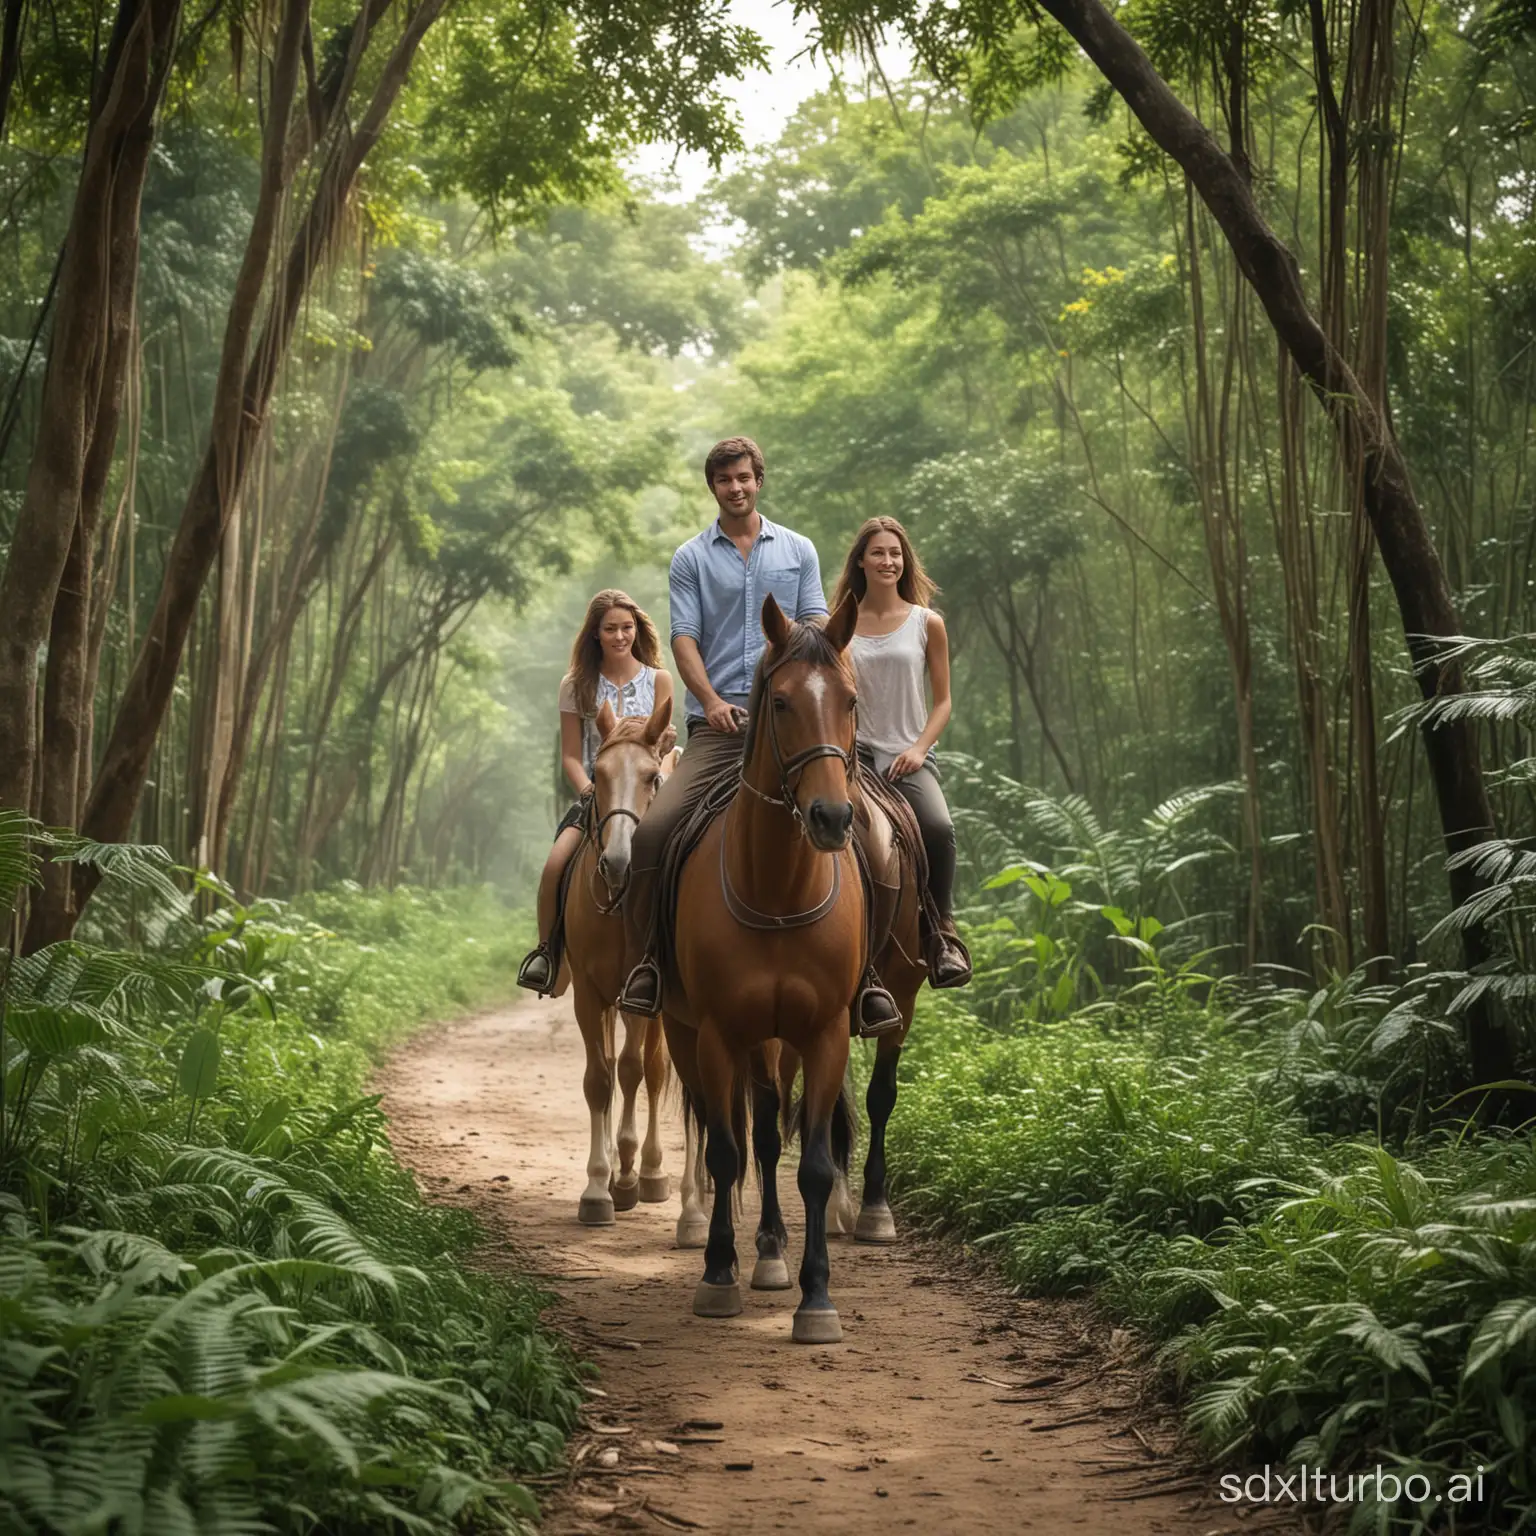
805	707
634	759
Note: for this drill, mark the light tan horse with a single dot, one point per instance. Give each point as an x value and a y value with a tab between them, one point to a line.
633	760
770	948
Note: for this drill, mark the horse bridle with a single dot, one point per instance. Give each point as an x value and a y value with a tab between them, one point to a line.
796	764
748	916
593	831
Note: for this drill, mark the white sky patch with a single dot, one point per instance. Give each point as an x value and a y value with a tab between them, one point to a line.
765	100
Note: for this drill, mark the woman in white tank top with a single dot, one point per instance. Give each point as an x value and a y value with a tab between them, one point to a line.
900	654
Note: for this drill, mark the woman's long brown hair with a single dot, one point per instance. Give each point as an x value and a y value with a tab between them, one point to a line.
587	653
916	586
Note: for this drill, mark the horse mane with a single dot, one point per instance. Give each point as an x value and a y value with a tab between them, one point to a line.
806	642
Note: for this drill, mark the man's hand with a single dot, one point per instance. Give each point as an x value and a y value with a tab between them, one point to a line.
722	716
908	762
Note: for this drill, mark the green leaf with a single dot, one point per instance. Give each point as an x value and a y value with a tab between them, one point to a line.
1503	1329
55	1031
272	1114
1004	877
1122	924
198	1074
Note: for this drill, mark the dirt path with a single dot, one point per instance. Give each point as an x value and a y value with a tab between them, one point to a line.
948	1407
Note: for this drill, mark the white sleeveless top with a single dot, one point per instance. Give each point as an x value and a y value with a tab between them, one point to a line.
889	671
636	697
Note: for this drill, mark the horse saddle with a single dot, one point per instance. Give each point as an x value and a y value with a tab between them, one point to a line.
887	844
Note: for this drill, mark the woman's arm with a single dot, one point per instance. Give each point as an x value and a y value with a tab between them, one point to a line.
938	716
570	752
663	685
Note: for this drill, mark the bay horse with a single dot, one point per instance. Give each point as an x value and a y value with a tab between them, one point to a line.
770	954
632	761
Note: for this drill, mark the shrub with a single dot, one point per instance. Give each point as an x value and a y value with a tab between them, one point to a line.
225	1307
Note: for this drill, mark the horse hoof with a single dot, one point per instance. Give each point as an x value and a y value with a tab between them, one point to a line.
626	1197
655	1187
692	1231
770	1274
875	1225
818	1327
595	1211
717	1300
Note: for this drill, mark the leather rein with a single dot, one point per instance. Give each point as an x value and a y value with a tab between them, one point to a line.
789	769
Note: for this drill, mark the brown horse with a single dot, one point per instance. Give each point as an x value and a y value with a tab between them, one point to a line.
770	948
631	764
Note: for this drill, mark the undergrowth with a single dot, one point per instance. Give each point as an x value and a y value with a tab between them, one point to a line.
1330	1300
223	1306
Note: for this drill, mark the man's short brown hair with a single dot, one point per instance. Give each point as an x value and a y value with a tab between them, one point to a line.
727	451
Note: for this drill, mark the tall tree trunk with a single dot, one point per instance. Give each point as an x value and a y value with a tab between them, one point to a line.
10	56
240	416
1407	547
103	235
301	569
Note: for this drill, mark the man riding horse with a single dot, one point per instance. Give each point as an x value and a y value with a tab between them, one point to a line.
718	582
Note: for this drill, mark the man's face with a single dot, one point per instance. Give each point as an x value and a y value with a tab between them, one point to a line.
735	487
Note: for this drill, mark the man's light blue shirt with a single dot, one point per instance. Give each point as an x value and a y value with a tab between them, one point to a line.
717	600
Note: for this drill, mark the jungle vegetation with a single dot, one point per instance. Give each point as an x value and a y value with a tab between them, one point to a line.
1196	345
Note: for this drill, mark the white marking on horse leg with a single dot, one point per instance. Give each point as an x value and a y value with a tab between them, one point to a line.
631	1071
692	1220
842	1213
651	1154
596	1208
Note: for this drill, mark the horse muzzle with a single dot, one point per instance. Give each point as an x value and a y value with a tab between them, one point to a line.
828	823
614	869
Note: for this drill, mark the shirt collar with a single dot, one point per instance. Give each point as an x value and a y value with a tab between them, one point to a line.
766	531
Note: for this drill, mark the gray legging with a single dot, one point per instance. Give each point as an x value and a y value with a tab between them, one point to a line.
926	798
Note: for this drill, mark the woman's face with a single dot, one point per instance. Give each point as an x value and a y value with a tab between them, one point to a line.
882	561
616	634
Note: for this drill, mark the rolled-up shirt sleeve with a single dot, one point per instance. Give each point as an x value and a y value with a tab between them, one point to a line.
812	601
683	589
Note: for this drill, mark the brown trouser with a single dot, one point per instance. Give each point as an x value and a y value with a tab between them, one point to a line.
707	755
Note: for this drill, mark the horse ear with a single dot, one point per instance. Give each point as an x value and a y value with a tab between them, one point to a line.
840	627
606	720
661	718
668	740
775	625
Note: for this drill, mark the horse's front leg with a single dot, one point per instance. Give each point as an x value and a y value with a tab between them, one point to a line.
655	1186
718	1293
816	1319
875	1223
771	1272
631	1070
596	1207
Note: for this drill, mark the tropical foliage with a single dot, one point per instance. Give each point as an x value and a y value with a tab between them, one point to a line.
226	1306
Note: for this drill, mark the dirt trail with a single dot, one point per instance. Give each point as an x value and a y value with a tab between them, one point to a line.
948	1405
